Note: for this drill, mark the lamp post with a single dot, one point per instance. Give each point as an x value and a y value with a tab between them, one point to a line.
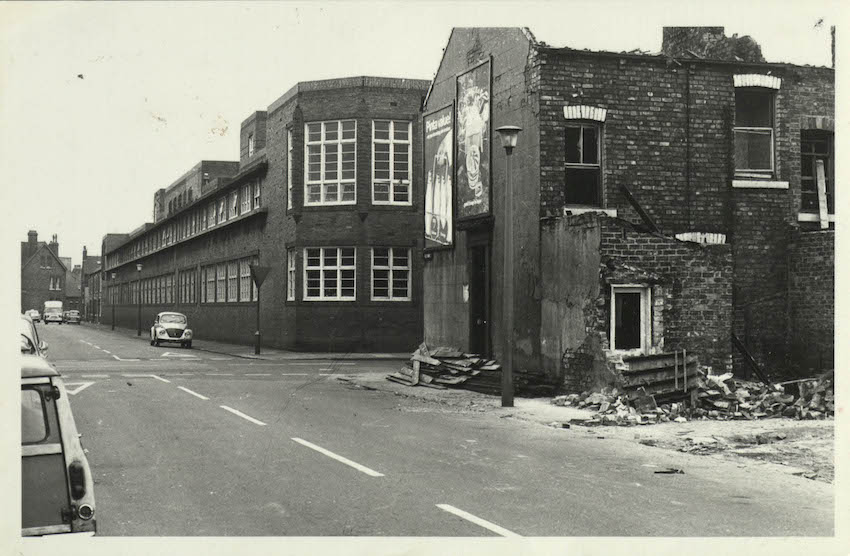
139	297
112	298
508	134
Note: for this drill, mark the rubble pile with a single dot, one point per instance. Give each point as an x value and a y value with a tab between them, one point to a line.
443	367
715	397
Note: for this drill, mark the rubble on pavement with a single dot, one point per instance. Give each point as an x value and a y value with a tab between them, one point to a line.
443	367
720	397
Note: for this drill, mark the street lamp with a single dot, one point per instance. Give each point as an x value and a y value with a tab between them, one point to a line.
508	134
112	298
139	297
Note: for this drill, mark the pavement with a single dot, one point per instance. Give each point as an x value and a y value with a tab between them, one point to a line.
266	353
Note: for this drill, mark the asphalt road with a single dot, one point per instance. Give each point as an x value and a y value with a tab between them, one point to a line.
186	442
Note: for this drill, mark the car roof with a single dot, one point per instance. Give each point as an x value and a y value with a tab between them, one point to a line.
33	366
171	313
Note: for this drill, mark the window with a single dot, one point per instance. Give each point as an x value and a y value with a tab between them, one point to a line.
250	144
246	198
754	132
211	214
244	280
257	194
222	210
221	283
233	197
169	288
391	162
330	162
34	426
329	274
256	292
232	278
630	319
290	275
391	274
289	169
210	270
583	169
815	146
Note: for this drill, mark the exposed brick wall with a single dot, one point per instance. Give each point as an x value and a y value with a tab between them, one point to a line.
254	125
811	293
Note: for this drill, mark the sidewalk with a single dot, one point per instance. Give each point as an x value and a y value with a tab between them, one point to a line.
267	354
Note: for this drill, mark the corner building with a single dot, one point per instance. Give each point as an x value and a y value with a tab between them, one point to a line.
327	194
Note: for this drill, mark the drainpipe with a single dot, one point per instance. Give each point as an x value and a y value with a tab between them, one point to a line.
688	142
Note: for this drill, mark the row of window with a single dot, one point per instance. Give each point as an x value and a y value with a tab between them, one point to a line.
754	152
330	274
55	283
233	204
330	163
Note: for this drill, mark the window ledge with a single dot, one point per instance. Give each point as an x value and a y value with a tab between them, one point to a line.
583	210
812	217
759	184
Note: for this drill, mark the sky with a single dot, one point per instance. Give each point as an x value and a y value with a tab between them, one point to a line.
101	104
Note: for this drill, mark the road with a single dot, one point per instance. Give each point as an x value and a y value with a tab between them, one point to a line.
188	442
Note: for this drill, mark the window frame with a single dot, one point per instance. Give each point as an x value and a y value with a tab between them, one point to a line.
251	144
245	282
391	268
339	268
770	94
290	274
392	182
322	182
811	136
289	153
597	167
645	325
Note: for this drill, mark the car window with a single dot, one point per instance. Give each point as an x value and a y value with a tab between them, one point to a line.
33	417
28	330
26	344
175	319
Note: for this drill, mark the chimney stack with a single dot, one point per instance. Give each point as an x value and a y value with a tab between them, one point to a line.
54	245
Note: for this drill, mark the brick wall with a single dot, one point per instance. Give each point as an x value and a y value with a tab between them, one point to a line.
811	299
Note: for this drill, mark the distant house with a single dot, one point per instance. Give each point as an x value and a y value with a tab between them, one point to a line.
43	274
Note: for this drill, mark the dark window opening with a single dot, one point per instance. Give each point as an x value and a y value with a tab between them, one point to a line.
627	323
582	175
754	124
816	146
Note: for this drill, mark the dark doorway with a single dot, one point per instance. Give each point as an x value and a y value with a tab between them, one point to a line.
479	296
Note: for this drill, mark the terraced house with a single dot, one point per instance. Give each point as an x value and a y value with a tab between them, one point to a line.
326	193
679	200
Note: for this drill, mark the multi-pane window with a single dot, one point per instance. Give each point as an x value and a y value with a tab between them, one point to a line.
290	275
816	147
329	274
169	288
391	154
232	278
256	292
211	214
233	204
330	153
630	318
289	169
244	280
583	170
391	274
210	272
222	209
221	283
246	198
202	213
250	144
754	122
257	194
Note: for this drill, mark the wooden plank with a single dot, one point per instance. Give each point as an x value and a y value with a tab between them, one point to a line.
638	365
414	379
661	388
426	359
822	205
662	375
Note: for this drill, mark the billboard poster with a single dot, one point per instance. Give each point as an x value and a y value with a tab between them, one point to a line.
439	171
473	142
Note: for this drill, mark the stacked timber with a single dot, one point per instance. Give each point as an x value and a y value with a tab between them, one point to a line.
449	367
666	377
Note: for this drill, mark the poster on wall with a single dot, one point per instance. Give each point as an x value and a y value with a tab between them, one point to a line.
439	171
473	142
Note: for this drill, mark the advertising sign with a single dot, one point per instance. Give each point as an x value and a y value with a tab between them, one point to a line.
439	171
473	142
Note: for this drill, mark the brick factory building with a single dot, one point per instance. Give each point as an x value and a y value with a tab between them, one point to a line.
708	176
327	194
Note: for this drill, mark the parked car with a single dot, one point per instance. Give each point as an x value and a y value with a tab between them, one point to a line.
56	481
72	316
30	342
171	327
34	315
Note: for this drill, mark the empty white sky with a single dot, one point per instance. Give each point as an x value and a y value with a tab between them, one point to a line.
165	85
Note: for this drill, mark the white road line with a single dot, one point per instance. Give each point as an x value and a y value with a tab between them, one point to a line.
94	376
104	351
119	359
346	461
219	374
316	363
220	358
258	374
240	414
193	393
478	521
160	378
95	347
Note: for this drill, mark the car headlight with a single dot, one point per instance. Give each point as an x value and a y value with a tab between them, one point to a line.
161	332
187	333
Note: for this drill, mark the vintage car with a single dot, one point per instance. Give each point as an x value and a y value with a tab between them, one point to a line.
31	344
73	316
56	481
171	327
34	315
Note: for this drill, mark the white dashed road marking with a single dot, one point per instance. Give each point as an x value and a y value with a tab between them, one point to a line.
219	374
477	520
193	393
119	359
346	461
94	376
80	387
240	414
160	378
258	374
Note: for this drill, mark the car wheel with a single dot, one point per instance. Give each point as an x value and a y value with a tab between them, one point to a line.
156	342
189	344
